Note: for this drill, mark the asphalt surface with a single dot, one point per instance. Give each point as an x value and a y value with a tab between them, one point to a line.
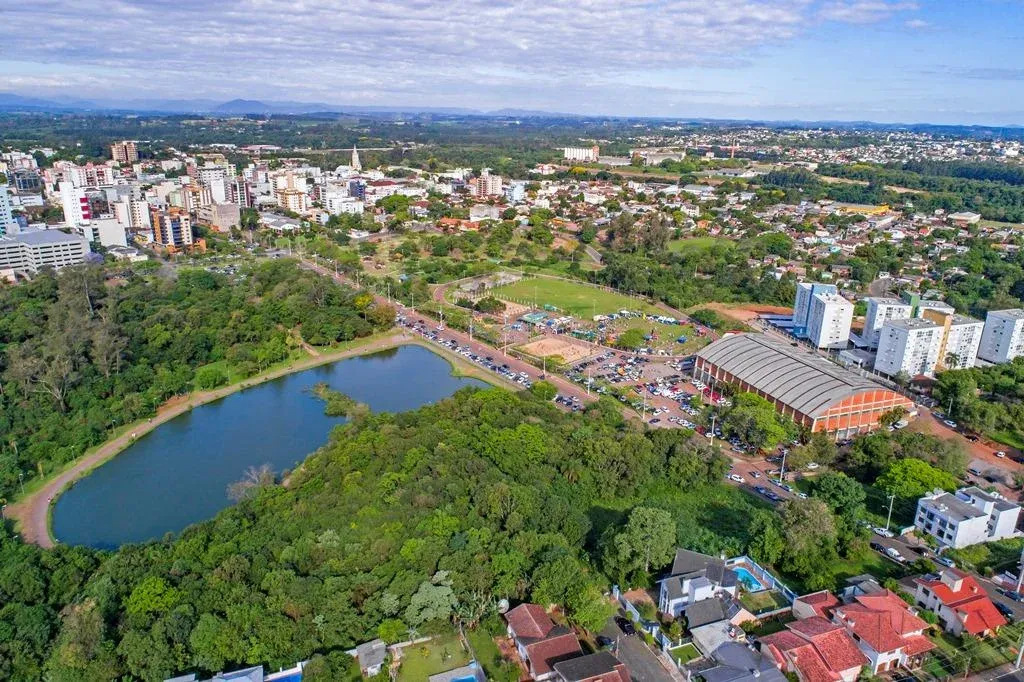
644	665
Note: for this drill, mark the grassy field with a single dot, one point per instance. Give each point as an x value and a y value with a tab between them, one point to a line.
440	654
690	245
667	335
487	653
575	298
1011	438
685	653
758	602
952	652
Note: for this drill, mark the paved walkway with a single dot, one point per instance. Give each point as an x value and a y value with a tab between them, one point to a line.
32	512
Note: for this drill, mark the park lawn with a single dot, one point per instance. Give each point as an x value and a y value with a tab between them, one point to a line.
689	245
667	335
575	298
759	602
442	653
685	653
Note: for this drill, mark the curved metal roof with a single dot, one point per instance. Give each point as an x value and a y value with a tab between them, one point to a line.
808	383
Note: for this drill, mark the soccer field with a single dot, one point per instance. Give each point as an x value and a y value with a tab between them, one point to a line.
579	300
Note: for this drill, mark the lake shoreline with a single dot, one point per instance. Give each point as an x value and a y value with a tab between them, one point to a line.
33	513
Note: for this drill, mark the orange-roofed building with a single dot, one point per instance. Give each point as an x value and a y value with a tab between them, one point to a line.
816	650
540	642
960	603
886	630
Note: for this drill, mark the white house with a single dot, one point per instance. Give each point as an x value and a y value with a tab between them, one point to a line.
694	577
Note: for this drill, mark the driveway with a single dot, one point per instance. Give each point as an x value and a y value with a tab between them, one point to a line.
644	665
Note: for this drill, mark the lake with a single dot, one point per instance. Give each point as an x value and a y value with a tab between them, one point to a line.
178	474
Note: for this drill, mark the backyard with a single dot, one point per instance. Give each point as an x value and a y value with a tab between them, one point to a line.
442	653
760	602
953	653
684	654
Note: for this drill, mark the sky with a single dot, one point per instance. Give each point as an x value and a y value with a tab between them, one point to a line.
937	61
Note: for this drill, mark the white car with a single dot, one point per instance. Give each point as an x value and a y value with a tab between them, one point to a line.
1000	454
894	555
737	478
884	532
813	465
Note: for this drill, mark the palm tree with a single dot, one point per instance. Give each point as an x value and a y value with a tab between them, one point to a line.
952	360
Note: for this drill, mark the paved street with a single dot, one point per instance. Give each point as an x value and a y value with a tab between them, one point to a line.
644	665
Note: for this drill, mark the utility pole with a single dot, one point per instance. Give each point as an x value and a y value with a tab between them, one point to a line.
949	412
588	395
1020	652
892	498
1020	577
782	468
713	418
504	336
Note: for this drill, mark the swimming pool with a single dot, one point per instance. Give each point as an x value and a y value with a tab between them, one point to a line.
751	583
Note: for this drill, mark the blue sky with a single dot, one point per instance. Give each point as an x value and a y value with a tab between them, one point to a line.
943	61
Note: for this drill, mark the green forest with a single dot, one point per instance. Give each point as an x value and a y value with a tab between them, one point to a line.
86	351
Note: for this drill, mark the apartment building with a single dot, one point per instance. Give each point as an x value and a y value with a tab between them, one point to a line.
7	221
805	293
172	229
124	152
337	203
1002	339
880	311
486	185
133	214
922	306
961	337
910	346
967	517
584	154
106	231
294	200
30	251
74	202
829	320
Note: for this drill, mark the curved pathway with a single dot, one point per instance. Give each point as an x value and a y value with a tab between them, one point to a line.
32	512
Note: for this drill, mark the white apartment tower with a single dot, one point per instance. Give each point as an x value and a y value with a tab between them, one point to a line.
880	311
74	202
1003	337
829	321
805	292
7	221
911	346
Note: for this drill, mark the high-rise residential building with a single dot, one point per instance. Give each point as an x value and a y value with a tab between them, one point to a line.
104	231
133	214
1003	337
805	292
124	152
961	338
585	154
172	228
89	175
487	185
7	221
74	202
938	306
829	320
909	346
880	311
30	251
294	200
337	203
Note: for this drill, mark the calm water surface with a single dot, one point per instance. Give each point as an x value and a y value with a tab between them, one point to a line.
178	474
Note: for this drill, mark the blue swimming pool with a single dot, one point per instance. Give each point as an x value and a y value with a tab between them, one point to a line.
751	583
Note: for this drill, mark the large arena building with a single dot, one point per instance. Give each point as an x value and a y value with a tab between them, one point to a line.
810	389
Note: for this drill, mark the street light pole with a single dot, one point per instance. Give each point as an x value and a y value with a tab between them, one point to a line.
892	498
713	418
782	468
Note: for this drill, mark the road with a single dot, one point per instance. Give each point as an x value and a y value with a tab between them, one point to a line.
562	385
32	512
644	665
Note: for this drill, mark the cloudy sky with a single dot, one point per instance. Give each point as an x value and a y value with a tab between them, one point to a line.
957	61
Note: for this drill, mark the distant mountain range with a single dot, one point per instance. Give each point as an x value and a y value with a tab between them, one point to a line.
12	102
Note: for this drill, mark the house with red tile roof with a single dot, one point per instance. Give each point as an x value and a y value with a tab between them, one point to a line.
816	650
815	604
960	603
885	628
540	642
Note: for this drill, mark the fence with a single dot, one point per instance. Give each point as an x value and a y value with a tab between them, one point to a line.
762	574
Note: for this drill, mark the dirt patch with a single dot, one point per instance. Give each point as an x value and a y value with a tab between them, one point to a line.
569	351
747	311
515	310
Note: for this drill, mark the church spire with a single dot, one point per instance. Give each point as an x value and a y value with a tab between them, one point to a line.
355	159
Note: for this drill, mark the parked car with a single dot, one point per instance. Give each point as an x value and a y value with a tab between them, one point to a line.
877	546
1000	454
625	625
894	554
884	532
946	561
1006	611
737	478
1010	594
604	642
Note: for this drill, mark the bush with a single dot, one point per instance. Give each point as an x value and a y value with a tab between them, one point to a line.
210	377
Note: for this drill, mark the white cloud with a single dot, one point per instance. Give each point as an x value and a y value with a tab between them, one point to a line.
459	53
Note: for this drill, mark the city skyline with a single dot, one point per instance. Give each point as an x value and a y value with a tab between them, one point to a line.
879	60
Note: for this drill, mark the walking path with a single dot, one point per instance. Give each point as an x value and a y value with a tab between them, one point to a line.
32	513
